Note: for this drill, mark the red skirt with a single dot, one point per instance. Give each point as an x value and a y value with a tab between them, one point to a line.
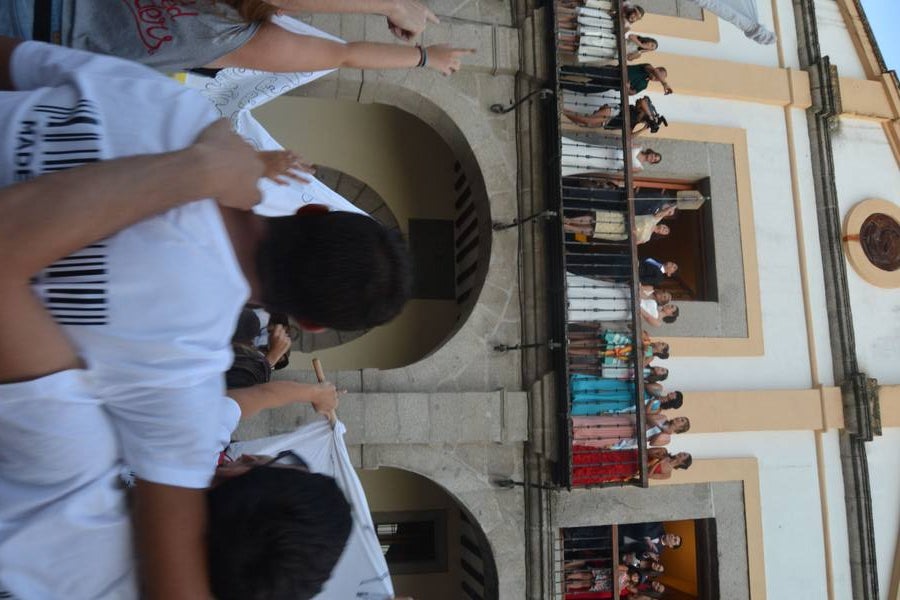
590	465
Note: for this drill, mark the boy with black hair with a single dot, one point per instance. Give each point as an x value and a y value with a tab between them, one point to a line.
274	533
119	292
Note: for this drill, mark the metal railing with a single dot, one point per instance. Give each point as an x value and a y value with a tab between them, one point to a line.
586	563
597	317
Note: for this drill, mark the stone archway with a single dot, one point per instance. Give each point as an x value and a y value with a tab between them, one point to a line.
498	513
484	147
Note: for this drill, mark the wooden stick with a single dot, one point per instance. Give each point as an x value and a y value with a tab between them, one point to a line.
320	376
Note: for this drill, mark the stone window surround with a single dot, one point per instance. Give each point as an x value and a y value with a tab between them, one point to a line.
727	316
724	489
752	343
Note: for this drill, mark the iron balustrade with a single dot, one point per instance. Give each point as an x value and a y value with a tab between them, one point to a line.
585	563
595	295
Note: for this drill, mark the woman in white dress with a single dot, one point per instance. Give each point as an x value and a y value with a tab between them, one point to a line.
596	300
611	225
578	157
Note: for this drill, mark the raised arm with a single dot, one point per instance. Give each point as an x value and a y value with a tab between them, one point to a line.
660	78
277	50
406	18
275	394
592	120
57	214
54	215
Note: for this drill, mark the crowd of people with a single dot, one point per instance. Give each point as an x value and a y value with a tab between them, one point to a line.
607	362
590	571
132	254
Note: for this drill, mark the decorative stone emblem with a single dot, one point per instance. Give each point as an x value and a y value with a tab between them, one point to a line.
880	240
872	241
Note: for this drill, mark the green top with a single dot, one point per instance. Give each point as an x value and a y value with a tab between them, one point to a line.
638	77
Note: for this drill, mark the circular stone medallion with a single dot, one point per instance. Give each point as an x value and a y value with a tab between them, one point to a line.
879	237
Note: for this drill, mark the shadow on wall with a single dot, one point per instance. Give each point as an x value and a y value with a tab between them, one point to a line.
434	547
428	191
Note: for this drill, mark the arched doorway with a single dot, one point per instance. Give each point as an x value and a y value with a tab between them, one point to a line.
434	547
438	202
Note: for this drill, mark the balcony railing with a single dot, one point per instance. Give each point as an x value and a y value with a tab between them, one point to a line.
586	563
594	263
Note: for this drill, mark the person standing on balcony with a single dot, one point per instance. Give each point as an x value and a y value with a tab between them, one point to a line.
593	396
610	225
653	272
596	80
592	300
618	432
578	157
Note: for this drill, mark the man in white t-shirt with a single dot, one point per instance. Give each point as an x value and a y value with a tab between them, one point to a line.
119	297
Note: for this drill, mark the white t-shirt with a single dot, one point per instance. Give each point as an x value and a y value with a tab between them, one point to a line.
151	308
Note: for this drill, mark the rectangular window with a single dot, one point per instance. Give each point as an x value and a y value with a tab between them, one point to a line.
690	245
413	541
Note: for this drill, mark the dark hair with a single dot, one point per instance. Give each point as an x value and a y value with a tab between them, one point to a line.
644	39
248	327
339	270
275	534
687	462
250	367
671	318
673	404
664	353
652	151
653	377
636	8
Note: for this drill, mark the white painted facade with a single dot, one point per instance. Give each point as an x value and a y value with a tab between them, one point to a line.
802	489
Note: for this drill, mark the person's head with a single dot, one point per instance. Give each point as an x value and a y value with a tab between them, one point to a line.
670	268
673	401
663	73
669	313
338	270
652	156
657	586
252	11
662	230
662	297
274	533
657	374
634	13
657	567
660	350
683	460
649	43
680	424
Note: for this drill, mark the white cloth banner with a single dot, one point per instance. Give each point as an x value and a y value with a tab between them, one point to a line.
235	92
362	571
743	14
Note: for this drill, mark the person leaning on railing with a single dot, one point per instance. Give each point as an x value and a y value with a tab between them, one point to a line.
596	80
610	225
631	12
618	432
642	116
